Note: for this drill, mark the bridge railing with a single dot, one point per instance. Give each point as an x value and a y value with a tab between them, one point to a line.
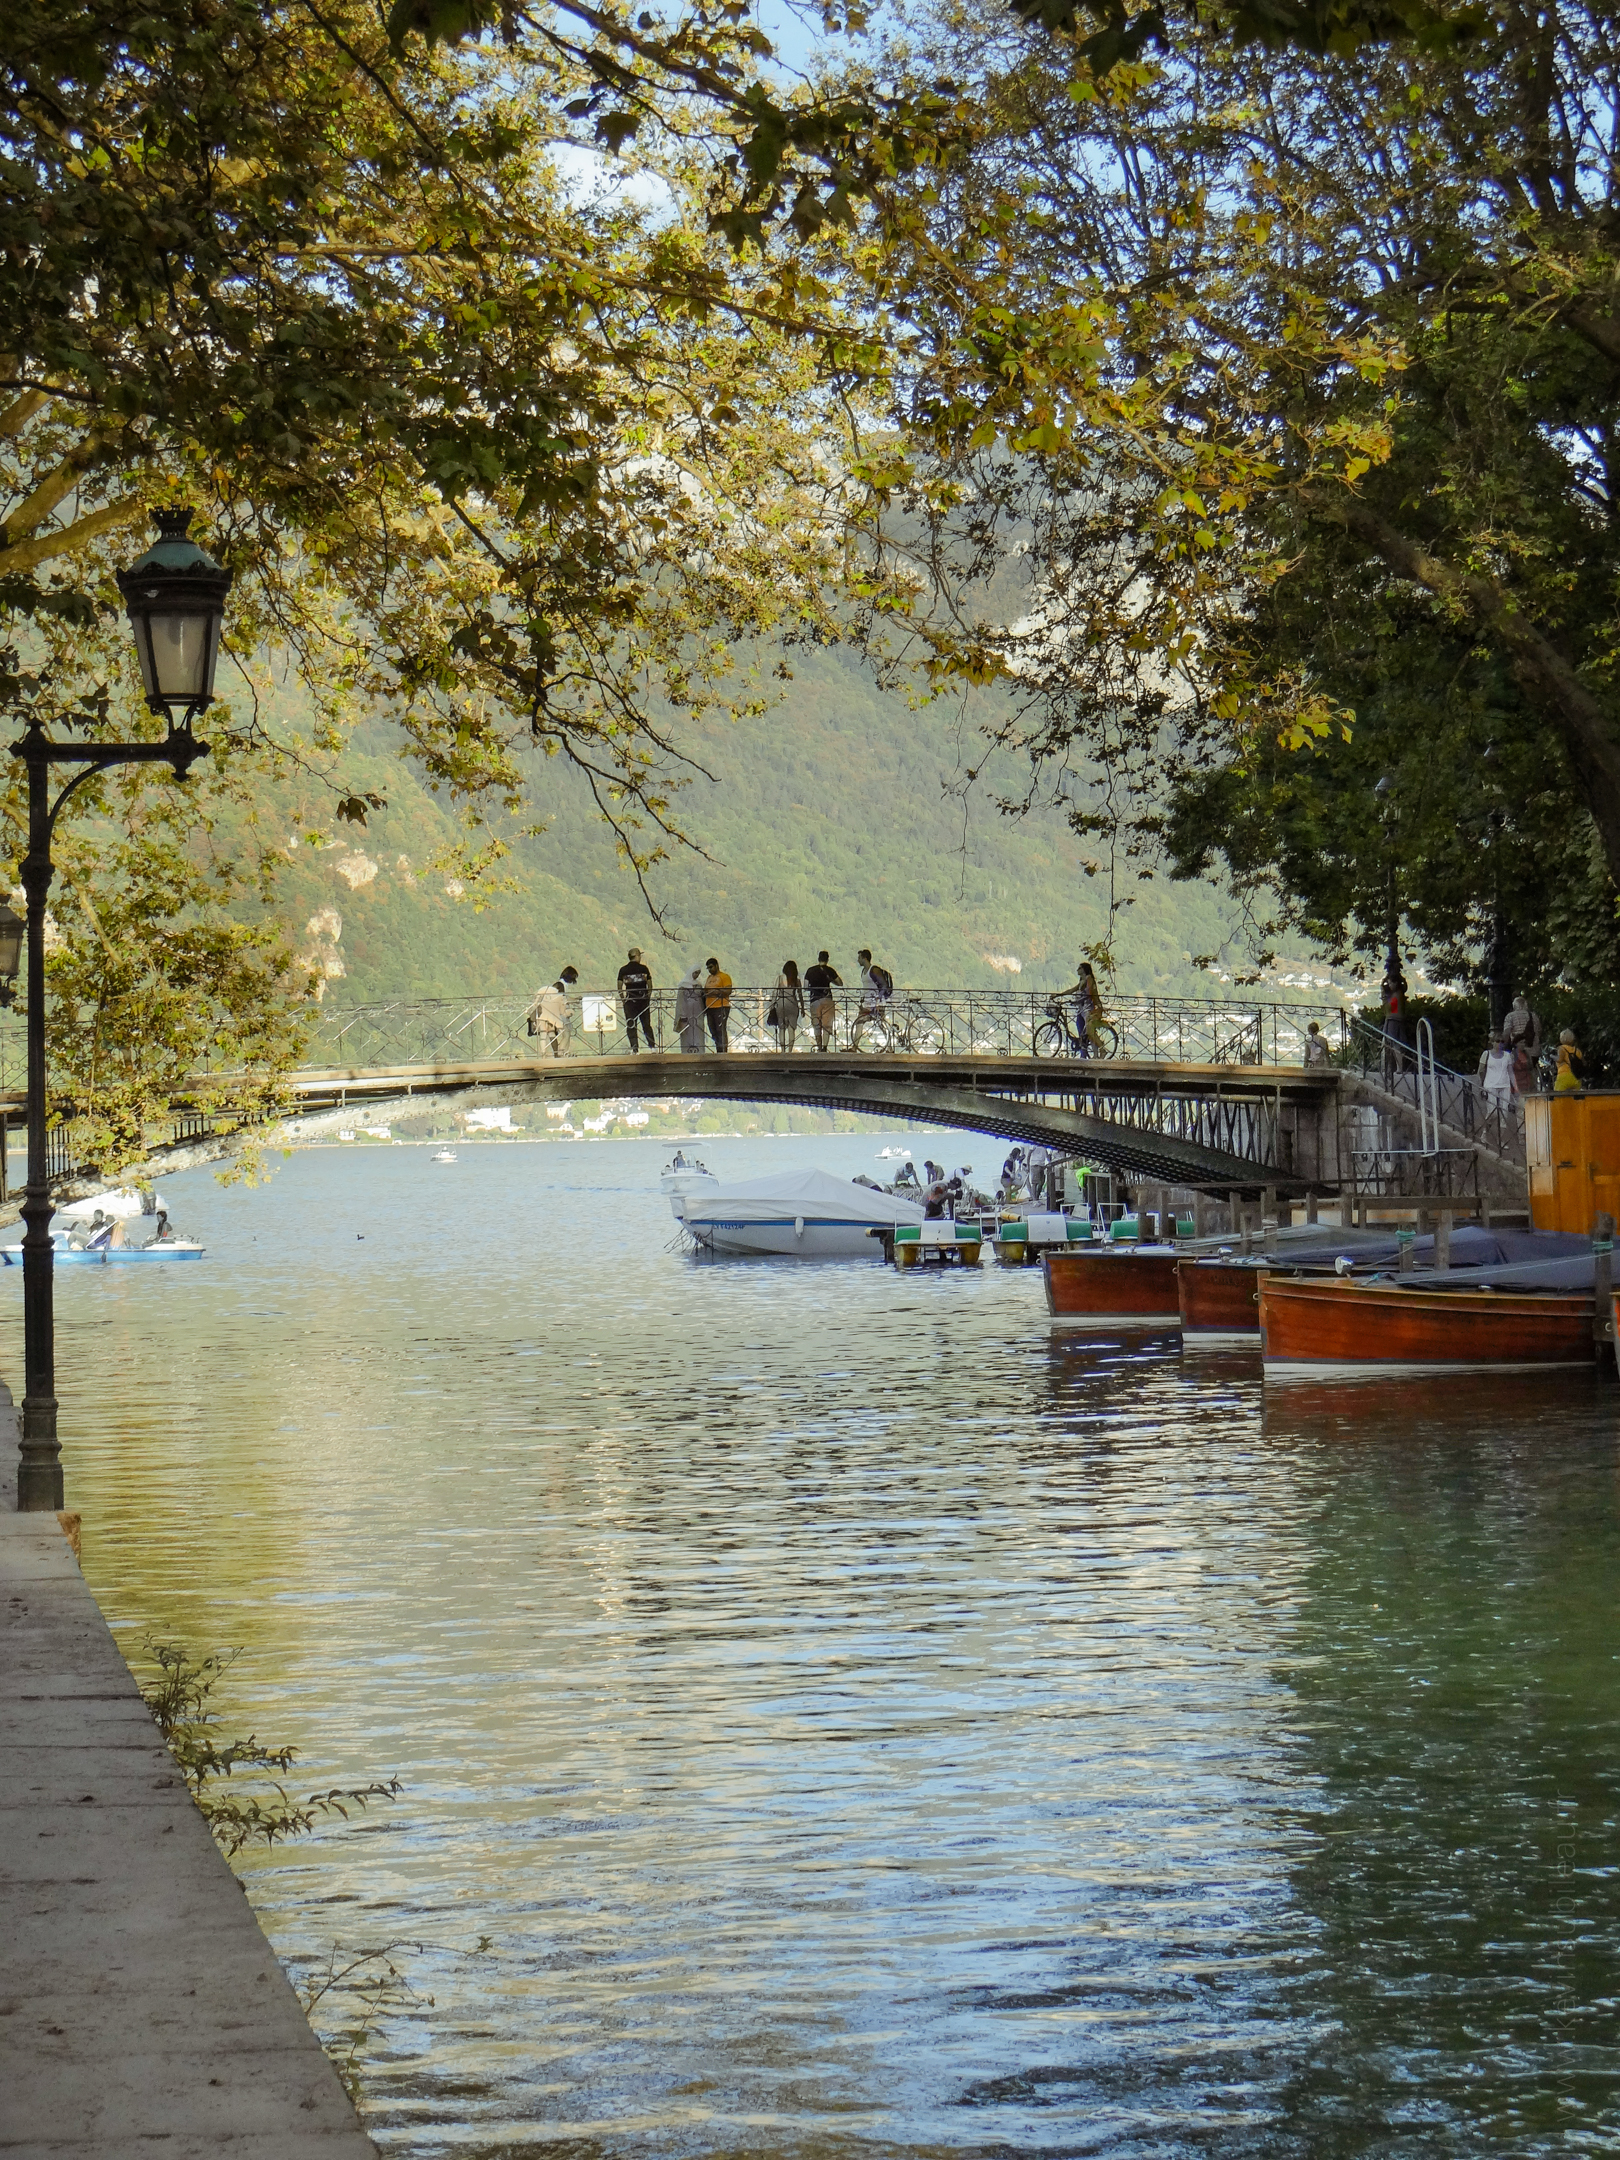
984	1023
1458	1098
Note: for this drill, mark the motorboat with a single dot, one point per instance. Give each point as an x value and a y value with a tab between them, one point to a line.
801	1214
123	1225
1112	1286
445	1154
683	1175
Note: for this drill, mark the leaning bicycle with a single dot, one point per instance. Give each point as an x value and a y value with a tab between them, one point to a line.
1058	1037
906	1029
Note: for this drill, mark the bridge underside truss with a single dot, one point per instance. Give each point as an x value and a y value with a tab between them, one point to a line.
1218	1129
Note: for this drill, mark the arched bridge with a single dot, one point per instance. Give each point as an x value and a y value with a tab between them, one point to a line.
1207	1095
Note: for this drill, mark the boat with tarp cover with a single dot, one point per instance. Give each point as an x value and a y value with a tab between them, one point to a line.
1220	1292
801	1215
1526	1316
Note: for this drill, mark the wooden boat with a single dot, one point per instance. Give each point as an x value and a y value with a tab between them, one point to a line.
1314	1329
1113	1286
1220	1302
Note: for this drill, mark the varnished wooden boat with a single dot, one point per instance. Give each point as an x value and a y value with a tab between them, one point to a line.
1314	1329
1118	1286
1220	1302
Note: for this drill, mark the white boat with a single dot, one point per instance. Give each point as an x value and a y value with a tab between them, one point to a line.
133	1226
445	1154
682	1177
802	1214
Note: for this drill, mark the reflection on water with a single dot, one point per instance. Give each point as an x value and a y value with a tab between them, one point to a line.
840	1715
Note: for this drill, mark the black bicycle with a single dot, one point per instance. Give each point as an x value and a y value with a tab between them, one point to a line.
1056	1036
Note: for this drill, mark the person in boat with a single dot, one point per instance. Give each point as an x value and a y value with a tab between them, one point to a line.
689	1012
1012	1174
820	980
1498	1077
1571	1074
551	1015
935	1198
635	995
717	1005
1316	1048
1037	1170
787	1005
908	1176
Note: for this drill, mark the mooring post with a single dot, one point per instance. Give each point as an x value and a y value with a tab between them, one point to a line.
1602	1281
1405	1240
1310	1206
1268	1233
1442	1239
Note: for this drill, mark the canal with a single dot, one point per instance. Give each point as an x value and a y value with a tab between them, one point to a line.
839	1715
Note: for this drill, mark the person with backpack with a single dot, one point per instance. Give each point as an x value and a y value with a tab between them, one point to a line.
819	981
635	996
877	988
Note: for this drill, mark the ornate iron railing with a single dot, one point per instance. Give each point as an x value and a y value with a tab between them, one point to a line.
985	1023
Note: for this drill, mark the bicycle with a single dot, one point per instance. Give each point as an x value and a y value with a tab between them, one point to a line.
900	1027
1057	1038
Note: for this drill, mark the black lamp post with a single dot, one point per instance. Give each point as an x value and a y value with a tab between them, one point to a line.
1394	985
175	596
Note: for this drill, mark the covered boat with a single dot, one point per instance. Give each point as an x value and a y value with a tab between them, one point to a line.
1524	1317
801	1214
1107	1286
122	1225
1220	1292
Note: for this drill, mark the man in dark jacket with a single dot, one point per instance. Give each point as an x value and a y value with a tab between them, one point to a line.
635	996
819	981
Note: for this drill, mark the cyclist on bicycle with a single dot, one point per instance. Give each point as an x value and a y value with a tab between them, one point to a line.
1088	1007
877	988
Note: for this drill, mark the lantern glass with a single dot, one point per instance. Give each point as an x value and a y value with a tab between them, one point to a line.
180	652
12	928
175	596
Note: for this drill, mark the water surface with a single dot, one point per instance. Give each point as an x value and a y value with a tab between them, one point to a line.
840	1715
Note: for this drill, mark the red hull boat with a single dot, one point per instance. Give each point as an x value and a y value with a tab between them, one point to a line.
1313	1329
1119	1287
1220	1302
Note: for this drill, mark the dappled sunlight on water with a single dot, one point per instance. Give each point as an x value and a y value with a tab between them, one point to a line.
839	1713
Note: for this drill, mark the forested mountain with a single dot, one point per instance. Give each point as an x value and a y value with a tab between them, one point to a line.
836	818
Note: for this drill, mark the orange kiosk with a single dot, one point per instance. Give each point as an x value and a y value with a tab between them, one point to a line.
1572	1153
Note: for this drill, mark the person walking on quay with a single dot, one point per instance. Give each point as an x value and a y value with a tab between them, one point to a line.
820	981
717	1005
551	1016
689	1012
1498	1078
1521	1037
787	1005
635	996
877	987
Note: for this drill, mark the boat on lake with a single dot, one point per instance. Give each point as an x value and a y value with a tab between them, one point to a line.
684	1174
801	1214
445	1154
121	1226
1109	1286
1531	1316
940	1241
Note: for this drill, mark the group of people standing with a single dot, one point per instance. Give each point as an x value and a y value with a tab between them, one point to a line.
1508	1068
703	1004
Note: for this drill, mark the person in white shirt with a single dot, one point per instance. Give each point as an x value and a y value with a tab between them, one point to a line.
551	1016
1497	1077
877	987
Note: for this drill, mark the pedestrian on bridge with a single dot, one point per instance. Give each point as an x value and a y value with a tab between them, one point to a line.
635	995
717	1005
820	981
787	1005
551	1016
689	1012
877	988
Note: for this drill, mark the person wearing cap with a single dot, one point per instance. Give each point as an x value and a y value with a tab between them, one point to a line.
635	997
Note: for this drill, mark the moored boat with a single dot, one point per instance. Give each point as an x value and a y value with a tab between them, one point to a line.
941	1241
1113	1286
802	1215
1219	1300
1319	1328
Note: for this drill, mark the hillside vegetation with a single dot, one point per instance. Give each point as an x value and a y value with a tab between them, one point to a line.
836	819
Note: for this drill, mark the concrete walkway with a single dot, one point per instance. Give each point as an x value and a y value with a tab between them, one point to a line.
141	2009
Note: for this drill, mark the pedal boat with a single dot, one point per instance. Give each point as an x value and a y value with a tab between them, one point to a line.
1317	1328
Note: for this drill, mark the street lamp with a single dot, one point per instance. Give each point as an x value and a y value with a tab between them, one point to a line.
175	596
1394	985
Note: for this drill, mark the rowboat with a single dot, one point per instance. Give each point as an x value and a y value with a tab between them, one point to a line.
1316	1328
1219	1301
1108	1287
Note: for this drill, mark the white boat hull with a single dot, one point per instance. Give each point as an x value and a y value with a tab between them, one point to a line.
789	1240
